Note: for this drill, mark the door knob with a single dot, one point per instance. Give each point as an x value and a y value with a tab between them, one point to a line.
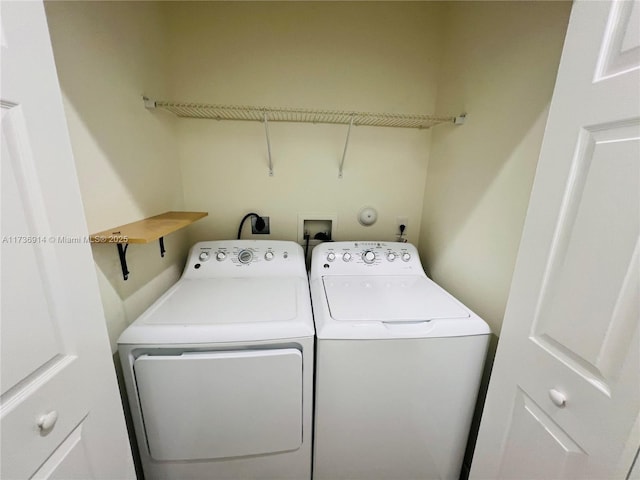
47	421
558	398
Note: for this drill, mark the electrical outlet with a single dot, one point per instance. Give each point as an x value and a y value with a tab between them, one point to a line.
254	229
402	235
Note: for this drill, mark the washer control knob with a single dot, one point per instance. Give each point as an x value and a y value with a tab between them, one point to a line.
368	256
331	256
406	257
245	256
268	256
391	256
204	256
220	256
346	256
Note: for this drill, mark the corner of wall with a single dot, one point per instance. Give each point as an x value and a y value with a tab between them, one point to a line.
499	66
108	54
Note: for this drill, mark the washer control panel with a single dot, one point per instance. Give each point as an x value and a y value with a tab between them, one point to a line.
353	258
245	258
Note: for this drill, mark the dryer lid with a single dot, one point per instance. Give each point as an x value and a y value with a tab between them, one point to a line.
401	298
219	301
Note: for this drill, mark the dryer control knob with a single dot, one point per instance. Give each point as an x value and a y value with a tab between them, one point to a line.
331	256
245	256
268	256
368	256
220	256
391	256
406	257
346	256
204	256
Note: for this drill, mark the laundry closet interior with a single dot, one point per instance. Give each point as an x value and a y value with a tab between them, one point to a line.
462	190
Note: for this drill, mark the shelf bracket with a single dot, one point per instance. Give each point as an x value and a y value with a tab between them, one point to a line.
149	103
266	129
460	119
122	254
346	144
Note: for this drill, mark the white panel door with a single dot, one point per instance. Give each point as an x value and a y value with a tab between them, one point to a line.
60	412
564	396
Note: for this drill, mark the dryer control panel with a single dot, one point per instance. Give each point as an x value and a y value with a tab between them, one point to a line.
366	257
239	258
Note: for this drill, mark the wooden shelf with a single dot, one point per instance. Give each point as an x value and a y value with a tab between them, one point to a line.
149	229
145	231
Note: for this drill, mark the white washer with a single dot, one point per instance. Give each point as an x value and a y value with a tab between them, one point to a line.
398	366
219	371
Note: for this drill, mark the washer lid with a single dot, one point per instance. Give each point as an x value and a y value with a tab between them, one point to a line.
401	298
226	301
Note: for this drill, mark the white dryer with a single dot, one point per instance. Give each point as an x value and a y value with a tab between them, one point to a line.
398	366
219	371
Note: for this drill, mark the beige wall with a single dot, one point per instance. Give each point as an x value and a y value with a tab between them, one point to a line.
499	65
107	55
366	56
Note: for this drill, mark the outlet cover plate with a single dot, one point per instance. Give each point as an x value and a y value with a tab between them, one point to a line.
264	231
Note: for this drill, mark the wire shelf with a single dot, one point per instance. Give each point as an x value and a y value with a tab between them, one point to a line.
260	114
301	115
